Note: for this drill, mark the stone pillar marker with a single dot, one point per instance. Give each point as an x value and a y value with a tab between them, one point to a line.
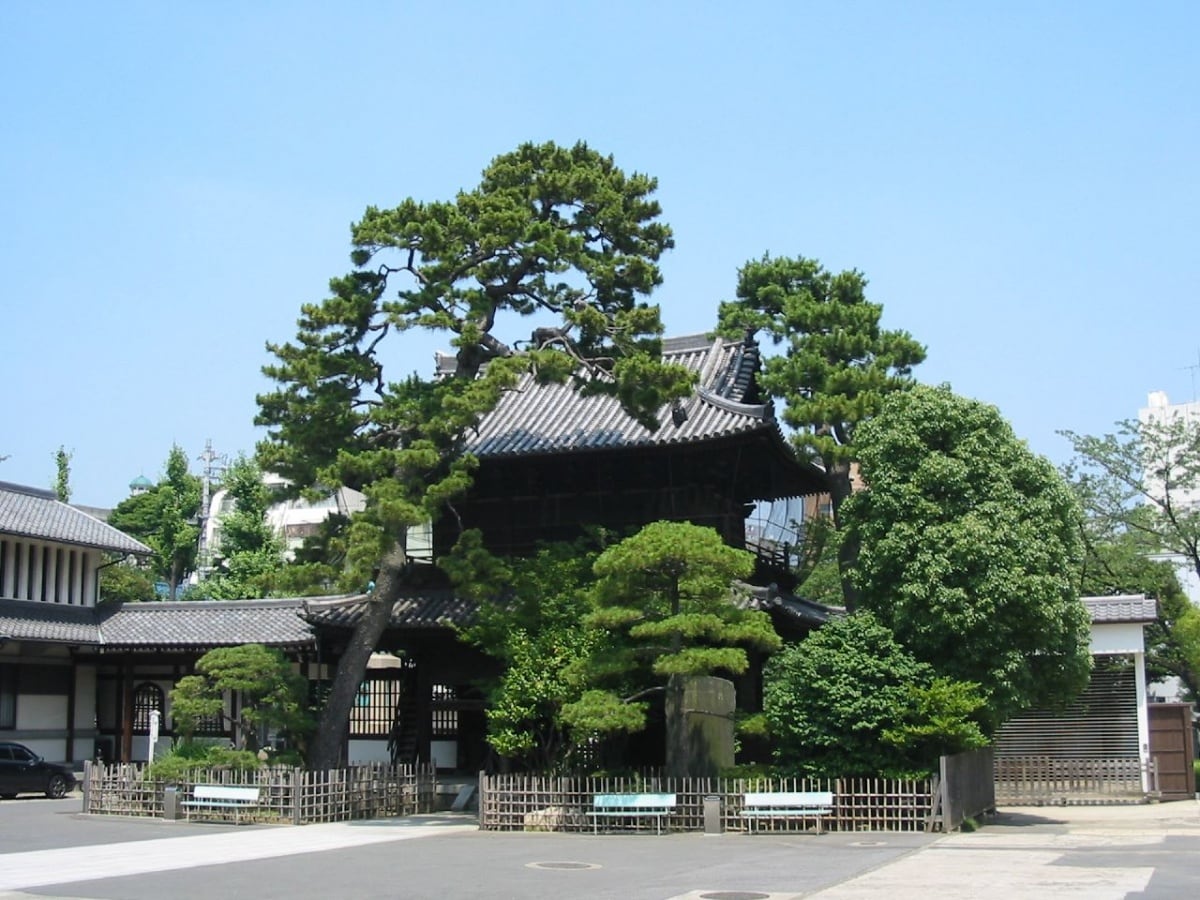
699	713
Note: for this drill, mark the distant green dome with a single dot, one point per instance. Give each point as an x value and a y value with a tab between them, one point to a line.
141	483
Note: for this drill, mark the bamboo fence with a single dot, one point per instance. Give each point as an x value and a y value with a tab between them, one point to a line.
286	795
551	803
1045	779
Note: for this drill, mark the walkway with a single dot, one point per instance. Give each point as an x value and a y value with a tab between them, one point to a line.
1047	852
39	868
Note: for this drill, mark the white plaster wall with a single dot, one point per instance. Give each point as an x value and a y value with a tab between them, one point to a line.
368	751
1117	637
53	749
85	698
41	712
444	754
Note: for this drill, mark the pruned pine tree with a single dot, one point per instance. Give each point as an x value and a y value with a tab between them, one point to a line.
837	367
558	232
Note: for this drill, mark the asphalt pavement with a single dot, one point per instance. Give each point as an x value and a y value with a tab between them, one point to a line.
1145	852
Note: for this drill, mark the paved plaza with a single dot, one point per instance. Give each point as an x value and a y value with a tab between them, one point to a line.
47	849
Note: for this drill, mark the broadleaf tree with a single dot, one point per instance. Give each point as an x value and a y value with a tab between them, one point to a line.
535	627
837	368
165	519
851	700
1122	562
971	550
557	232
1144	479
249	554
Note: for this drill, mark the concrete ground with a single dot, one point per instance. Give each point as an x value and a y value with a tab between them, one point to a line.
47	849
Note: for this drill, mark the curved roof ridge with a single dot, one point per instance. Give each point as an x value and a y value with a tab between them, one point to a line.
761	411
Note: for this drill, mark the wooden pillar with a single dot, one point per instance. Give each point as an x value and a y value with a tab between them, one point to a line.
71	708
126	751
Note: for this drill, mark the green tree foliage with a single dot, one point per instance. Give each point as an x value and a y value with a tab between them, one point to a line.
62	476
1139	487
273	696
536	629
249	555
850	700
165	519
971	550
1144	479
664	606
122	582
837	368
559	232
1118	563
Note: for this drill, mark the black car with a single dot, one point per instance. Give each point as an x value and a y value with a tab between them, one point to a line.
24	772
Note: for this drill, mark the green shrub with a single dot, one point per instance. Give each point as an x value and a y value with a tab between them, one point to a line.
189	756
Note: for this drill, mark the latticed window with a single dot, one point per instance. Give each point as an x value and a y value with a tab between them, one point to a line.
375	707
146	698
445	711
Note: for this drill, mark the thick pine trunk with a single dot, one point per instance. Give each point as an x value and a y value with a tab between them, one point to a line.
325	752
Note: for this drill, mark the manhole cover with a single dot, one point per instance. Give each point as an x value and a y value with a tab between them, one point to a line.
735	895
561	865
868	844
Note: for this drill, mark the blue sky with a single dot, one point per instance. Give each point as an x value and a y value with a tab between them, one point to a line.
1017	180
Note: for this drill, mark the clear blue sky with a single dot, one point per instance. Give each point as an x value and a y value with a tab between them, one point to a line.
1018	180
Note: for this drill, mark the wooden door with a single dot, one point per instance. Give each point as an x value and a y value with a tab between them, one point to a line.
1172	746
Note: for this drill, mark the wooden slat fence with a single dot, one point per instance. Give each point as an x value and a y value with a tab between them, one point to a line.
286	794
1045	779
561	803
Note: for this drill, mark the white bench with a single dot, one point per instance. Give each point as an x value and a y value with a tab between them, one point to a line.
222	797
787	805
632	806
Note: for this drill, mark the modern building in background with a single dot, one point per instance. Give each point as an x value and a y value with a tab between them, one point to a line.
293	519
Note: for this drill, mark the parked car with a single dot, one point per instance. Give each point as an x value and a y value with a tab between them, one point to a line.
24	772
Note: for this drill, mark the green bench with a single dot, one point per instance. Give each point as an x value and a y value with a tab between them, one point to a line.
632	806
787	805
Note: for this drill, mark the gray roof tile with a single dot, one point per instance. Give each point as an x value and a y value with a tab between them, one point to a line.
1122	608
215	623
422	608
31	620
556	418
34	513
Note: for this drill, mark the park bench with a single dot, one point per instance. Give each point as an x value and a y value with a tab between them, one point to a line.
221	797
787	805
632	806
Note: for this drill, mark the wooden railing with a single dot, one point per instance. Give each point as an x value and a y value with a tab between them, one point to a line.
1044	779
552	803
286	794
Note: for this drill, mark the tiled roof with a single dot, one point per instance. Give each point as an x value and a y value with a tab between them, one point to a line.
772	600
30	620
214	623
423	608
1122	608
556	418
34	513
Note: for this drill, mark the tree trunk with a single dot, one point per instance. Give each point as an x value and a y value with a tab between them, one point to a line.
325	751
838	475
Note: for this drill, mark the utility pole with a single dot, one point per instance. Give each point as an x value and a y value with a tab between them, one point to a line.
214	465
